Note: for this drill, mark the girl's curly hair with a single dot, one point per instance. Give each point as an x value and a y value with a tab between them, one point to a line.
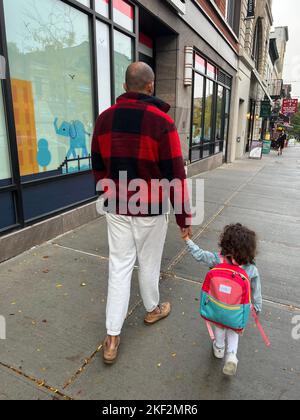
239	243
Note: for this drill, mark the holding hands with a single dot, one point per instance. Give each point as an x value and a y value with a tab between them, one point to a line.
186	233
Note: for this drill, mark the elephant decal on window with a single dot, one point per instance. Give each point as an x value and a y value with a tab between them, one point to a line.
76	132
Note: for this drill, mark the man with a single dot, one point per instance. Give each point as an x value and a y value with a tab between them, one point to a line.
136	140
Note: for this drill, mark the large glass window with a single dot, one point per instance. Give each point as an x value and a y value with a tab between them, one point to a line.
5	174
50	64
209	103
104	83
211	107
123	58
198	110
220	113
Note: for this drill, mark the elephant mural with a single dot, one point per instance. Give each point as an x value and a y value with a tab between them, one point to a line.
76	132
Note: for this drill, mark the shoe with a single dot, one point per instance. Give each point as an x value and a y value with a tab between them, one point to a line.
154	317
110	355
231	365
218	353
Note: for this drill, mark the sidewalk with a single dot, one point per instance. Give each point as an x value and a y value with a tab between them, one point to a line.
53	299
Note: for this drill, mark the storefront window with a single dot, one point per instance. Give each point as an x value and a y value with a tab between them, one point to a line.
219	121
104	83
102	7
123	58
198	110
226	117
211	107
209	102
50	66
5	174
124	14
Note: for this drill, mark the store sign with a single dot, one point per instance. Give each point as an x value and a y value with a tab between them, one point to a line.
266	109
290	106
251	9
2	67
179	5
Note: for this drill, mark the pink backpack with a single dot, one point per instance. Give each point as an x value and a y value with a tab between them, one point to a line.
226	300
226	297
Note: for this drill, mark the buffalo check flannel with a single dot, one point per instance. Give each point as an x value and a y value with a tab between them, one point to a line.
137	137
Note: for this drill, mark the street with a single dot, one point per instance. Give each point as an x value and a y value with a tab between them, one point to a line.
53	298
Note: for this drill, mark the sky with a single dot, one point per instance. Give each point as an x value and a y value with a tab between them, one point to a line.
287	13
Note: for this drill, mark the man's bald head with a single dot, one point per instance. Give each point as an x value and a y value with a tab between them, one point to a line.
140	78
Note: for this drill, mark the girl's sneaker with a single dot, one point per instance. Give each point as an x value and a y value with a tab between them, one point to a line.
231	365
218	353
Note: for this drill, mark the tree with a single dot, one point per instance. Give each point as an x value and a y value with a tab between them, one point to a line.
295	131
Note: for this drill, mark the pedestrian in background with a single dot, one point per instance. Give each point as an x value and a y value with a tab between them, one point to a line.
281	142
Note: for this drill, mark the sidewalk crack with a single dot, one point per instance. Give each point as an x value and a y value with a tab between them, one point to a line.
40	383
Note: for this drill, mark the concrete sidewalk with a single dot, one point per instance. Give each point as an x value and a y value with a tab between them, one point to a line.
53	298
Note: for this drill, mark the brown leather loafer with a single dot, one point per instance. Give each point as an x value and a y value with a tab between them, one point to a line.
154	317
110	355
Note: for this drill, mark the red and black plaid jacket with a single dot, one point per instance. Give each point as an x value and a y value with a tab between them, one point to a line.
136	137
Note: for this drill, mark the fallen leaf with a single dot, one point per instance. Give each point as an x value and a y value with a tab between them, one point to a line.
83	285
59	286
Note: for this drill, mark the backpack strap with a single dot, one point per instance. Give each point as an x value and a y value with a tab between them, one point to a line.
210	330
260	328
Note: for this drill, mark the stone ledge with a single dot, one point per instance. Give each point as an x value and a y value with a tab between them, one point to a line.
21	240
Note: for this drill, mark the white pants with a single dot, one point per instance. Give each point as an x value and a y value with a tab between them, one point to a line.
132	238
232	340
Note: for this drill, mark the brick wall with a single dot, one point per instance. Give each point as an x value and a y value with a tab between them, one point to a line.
217	19
222	6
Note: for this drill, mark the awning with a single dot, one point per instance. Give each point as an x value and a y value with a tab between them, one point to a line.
257	75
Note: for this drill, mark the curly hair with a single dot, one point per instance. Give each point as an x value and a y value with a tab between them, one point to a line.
239	243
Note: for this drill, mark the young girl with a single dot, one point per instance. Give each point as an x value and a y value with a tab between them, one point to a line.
238	247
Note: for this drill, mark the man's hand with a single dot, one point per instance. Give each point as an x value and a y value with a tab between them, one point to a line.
187	233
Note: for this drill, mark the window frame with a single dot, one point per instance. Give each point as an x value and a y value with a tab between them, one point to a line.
213	143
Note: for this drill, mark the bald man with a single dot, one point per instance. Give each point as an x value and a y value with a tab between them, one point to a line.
136	143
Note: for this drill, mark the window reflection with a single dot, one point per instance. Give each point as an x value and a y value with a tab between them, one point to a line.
123	58
50	65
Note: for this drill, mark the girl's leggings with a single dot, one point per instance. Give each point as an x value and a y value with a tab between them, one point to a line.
232	340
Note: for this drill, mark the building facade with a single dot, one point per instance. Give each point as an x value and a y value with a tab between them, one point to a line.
65	63
255	25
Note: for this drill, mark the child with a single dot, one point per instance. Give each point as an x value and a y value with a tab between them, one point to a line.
238	247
